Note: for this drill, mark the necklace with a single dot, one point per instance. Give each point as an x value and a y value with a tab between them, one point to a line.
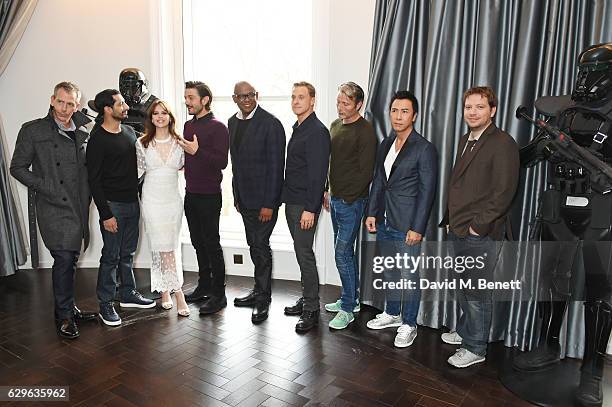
163	141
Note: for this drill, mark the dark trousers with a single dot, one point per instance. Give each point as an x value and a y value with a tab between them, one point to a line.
118	253
258	237
302	244
62	275
202	212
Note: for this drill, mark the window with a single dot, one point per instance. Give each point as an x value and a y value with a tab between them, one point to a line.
267	43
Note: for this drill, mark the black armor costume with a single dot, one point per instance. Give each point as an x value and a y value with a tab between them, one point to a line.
576	214
134	88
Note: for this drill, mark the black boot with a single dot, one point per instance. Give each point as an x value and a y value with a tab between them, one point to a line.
295	309
548	350
307	321
598	323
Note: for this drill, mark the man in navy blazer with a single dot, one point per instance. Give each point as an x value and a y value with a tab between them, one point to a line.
257	149
401	197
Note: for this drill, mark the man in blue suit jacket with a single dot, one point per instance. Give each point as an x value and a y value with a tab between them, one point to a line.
401	197
257	149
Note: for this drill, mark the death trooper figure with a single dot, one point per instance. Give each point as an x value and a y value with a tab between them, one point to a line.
134	88
576	214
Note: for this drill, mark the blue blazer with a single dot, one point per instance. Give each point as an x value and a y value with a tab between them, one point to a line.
408	194
259	164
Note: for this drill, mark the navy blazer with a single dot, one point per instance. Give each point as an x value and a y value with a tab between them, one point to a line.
259	164
408	194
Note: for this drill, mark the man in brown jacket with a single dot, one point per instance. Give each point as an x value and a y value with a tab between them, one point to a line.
482	186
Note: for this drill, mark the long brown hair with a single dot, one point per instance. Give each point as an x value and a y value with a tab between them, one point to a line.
150	128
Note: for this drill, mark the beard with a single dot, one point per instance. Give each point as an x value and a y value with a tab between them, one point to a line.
119	117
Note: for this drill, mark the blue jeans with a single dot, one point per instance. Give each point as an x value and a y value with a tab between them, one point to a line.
118	252
477	305
392	242
346	220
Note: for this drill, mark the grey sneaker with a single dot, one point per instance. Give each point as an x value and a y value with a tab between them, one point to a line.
337	306
465	358
405	336
384	320
451	338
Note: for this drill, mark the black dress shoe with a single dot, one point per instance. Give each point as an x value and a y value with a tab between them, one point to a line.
247	300
199	294
307	321
67	328
295	309
213	305
84	315
260	312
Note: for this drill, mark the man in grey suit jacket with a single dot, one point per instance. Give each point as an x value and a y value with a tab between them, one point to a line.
54	148
401	197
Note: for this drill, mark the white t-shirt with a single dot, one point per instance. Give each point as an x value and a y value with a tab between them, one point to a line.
391	156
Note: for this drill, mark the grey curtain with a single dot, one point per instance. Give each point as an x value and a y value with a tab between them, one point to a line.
14	17
521	48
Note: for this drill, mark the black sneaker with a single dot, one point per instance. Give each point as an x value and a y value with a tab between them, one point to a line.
136	300
108	315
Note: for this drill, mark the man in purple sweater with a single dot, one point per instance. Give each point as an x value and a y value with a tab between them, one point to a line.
206	142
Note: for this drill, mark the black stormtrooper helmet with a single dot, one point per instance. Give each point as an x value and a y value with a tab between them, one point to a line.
594	80
133	85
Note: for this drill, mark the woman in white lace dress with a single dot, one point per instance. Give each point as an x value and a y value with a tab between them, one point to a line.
160	158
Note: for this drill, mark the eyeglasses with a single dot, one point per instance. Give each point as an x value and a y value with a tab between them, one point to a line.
245	96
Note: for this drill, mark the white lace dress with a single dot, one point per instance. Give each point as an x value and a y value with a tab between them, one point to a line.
162	210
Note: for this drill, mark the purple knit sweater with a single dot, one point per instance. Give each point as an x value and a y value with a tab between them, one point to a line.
203	170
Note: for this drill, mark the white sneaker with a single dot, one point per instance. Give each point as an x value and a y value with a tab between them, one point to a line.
384	320
405	336
452	338
465	358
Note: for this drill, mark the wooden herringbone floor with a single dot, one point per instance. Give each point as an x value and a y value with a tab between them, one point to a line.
158	359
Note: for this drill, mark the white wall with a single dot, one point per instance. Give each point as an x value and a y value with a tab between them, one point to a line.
89	43
86	42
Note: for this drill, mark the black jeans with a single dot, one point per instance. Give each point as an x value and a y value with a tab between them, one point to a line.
258	238
62	275
202	212
302	244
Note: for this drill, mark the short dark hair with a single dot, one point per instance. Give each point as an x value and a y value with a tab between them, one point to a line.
105	98
484	91
405	94
203	91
